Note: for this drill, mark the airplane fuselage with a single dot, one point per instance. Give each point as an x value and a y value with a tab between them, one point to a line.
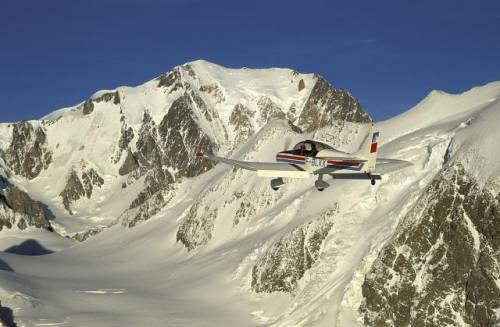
312	163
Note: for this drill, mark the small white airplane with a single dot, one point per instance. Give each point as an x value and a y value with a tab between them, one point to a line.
310	158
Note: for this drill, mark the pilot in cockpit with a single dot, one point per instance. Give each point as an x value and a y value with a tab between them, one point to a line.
305	148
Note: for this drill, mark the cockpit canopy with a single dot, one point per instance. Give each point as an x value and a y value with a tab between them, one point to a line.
309	148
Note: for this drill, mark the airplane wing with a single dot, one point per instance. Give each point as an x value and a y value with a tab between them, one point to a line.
385	166
264	169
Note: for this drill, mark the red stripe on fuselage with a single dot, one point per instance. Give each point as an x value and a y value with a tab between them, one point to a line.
286	156
343	163
333	162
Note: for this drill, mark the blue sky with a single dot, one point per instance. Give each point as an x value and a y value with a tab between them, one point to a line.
388	54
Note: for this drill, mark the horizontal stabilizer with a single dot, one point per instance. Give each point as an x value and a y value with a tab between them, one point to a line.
356	176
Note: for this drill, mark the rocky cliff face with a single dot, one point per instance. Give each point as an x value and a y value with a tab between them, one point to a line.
181	134
80	184
27	154
441	268
18	209
286	261
327	105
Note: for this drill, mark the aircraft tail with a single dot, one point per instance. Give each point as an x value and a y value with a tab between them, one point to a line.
370	150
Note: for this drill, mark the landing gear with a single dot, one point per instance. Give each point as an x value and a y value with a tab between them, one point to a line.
372	180
276	183
321	184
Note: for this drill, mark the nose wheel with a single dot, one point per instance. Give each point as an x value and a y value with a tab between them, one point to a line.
372	179
321	184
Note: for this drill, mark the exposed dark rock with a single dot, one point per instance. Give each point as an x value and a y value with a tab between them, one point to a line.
147	207
302	85
208	112
88	107
200	225
326	105
129	165
27	154
214	91
83	236
17	207
107	97
170	79
241	120
268	110
78	187
4	183
73	191
189	70
286	261
441	266
90	178
149	153
127	135
151	160
182	138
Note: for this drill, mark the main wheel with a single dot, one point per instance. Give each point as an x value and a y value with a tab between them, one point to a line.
373	182
275	188
321	189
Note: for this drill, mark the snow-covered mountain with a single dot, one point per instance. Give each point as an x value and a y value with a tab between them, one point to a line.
160	238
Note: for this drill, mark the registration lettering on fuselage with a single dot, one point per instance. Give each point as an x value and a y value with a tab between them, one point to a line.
316	162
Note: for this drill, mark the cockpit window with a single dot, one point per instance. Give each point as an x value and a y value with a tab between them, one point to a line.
309	148
299	146
322	146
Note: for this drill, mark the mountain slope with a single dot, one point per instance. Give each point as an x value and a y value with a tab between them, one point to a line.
421	247
137	142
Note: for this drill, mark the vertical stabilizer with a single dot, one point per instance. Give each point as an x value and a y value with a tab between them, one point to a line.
372	151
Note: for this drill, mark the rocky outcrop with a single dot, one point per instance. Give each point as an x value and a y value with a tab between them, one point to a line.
214	91
441	267
327	105
301	85
166	152
150	160
18	208
28	154
241	120
268	110
89	105
146	207
170	80
108	97
86	234
182	138
91	178
197	228
79	185
129	165
286	261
